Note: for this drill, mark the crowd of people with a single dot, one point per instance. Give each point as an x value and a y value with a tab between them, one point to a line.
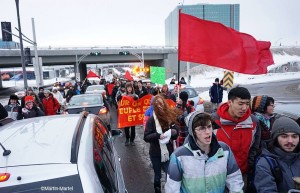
239	146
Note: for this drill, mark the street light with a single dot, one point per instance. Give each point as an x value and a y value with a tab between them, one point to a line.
21	47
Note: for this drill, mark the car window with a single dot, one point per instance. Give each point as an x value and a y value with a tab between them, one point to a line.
92	88
104	157
85	100
190	91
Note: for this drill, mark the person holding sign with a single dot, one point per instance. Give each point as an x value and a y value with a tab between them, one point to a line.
130	136
159	132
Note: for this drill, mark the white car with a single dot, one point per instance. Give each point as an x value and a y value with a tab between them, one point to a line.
95	89
61	153
193	95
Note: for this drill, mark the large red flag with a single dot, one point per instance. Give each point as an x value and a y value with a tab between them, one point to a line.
214	44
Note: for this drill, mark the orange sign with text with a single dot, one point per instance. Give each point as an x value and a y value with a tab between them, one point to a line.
131	112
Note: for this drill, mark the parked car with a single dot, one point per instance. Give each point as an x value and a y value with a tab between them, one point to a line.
93	103
289	109
193	95
61	153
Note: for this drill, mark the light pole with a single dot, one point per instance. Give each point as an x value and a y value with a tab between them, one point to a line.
21	47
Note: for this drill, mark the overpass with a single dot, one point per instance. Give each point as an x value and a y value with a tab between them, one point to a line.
153	56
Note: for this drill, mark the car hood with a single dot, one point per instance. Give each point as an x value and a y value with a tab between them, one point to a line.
38	140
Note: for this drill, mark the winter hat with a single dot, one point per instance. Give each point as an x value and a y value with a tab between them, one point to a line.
284	125
13	96
259	103
217	80
184	96
28	99
46	91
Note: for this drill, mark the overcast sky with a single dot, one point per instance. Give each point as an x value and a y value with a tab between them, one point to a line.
139	22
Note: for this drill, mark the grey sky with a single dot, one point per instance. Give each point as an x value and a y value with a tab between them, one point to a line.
139	22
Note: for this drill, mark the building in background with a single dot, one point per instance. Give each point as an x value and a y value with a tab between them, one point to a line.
9	45
227	14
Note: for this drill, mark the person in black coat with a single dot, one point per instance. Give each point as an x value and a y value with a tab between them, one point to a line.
140	90
216	95
160	130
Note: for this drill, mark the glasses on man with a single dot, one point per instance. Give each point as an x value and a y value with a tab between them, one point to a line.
203	128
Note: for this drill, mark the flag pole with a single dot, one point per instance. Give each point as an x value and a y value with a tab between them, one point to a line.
178	76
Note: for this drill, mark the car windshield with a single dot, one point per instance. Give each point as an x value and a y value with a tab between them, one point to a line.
191	92
86	100
95	88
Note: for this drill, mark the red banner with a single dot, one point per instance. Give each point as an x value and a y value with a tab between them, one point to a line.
131	112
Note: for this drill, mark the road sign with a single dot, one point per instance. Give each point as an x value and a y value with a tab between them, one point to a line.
228	79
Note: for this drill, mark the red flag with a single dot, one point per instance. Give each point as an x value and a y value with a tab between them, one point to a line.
92	74
214	44
128	76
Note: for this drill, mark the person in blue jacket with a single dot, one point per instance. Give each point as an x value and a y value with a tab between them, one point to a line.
216	95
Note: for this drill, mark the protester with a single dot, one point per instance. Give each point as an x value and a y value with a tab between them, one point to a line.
70	93
12	107
37	102
172	81
263	109
165	91
184	110
29	110
56	94
130	135
238	128
28	91
50	103
216	95
141	90
149	88
182	81
203	164
160	130
41	93
284	154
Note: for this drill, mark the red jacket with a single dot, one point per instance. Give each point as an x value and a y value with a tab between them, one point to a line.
51	105
243	136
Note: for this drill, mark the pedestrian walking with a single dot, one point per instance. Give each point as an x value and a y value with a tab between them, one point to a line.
159	132
12	107
216	95
280	162
203	164
240	130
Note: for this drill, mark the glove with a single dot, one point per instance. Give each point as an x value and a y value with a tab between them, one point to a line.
24	110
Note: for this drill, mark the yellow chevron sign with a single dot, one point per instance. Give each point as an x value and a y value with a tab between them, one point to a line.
228	79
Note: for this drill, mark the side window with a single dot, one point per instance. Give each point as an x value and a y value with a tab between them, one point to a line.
103	157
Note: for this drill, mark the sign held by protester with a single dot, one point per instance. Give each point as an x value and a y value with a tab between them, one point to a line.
131	112
157	74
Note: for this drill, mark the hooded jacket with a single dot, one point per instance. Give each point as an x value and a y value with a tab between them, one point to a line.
242	136
289	164
193	171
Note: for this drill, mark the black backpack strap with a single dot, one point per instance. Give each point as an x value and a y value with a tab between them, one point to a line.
275	168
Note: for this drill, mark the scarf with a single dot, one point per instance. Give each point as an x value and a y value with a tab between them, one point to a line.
163	147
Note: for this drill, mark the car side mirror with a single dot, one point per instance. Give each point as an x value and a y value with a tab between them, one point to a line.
116	133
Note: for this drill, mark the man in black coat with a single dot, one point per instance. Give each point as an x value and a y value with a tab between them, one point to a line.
216	95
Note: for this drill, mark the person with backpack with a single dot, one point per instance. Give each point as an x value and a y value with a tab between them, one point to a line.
279	163
240	130
203	164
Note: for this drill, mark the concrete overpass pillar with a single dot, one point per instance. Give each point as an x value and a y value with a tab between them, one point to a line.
82	71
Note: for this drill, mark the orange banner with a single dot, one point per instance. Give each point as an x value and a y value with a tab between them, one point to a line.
131	112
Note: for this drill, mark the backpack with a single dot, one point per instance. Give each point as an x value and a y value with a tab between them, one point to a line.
275	169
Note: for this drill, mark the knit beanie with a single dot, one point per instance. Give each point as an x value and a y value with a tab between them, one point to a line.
13	96
28	99
259	103
184	96
284	125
